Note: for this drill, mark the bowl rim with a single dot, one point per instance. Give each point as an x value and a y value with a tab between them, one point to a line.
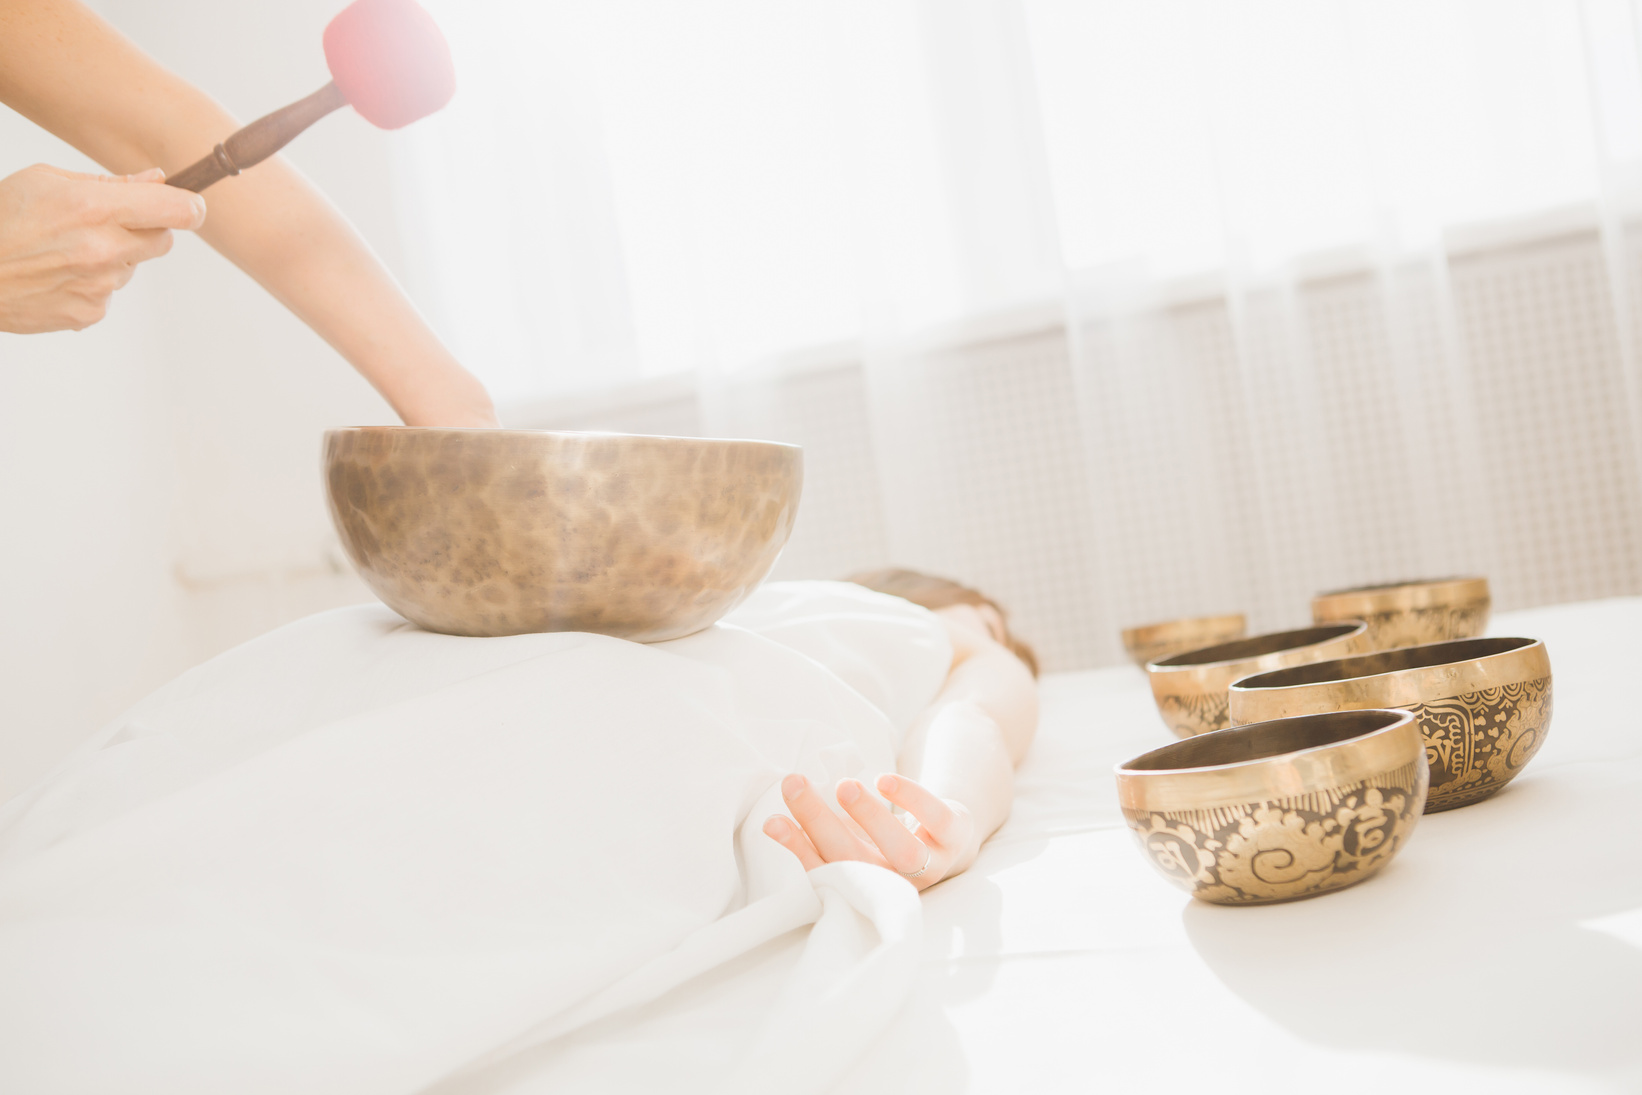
578	435
1387	746
1144	632
1351	628
1461	587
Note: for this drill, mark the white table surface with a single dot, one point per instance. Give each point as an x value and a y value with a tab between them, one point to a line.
1500	951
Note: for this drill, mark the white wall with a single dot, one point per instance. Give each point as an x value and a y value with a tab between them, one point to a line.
160	499
1194	499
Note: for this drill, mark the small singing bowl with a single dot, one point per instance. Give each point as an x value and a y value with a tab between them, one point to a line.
1154	641
1410	613
1190	688
502	532
1483	705
1278	810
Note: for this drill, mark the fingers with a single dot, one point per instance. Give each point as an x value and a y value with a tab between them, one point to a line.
932	812
791	837
824	828
942	846
136	203
106	253
120	277
148	243
903	851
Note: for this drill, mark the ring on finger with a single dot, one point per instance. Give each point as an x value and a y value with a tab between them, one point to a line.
914	874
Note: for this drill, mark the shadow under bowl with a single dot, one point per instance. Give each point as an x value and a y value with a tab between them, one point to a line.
1483	705
502	532
1278	810
1190	688
1154	641
1410	613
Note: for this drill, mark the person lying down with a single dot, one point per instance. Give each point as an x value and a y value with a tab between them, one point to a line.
354	856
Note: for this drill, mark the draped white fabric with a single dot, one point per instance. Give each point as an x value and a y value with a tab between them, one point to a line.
354	856
1155	308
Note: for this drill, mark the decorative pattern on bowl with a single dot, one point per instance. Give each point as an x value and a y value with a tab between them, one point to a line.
1154	641
1411	613
1483	705
1190	688
1280	810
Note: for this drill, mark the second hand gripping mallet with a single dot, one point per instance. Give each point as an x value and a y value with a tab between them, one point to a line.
387	60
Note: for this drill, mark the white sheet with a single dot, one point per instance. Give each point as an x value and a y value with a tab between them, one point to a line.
357	857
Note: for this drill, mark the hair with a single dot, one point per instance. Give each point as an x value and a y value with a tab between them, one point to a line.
934	593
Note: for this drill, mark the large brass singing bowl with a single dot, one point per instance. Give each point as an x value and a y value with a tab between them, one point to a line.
1154	641
1410	613
501	532
1483	705
1279	810
1190	688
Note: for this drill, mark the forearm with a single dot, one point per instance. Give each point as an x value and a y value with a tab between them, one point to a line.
965	746
961	754
276	227
65	69
991	679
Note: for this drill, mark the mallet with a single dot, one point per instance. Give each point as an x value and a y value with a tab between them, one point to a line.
387	60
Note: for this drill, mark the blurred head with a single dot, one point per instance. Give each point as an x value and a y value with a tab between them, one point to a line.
937	594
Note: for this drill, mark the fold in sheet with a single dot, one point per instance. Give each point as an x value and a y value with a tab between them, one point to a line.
356	857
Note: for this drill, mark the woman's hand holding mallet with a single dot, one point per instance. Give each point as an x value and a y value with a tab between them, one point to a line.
71	240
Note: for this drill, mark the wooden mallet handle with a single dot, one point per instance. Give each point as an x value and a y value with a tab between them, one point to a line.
387	59
259	140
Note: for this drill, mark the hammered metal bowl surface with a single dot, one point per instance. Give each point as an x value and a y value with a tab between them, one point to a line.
1410	613
501	532
1278	810
1154	641
1190	688
1483	705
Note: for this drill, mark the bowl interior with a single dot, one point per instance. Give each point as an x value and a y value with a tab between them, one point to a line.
1263	741
1387	661
1260	645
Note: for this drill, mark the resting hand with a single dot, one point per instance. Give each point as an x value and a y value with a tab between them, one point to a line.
68	241
943	844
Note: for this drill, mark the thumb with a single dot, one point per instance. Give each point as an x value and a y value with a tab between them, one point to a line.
152	175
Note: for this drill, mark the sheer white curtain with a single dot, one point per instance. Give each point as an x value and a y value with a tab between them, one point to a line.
1152	309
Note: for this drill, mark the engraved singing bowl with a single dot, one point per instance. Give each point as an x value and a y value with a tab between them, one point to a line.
1410	613
1279	810
1190	688
501	532
1154	641
1483	705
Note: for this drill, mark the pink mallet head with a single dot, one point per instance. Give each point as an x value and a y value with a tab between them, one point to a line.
389	61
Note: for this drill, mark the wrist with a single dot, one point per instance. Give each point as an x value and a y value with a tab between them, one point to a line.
965	850
471	418
458	401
